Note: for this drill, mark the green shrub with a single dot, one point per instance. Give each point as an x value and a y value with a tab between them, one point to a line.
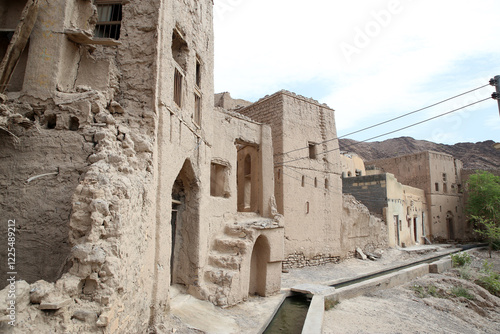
465	273
490	283
423	291
420	291
433	291
490	279
461	259
459	291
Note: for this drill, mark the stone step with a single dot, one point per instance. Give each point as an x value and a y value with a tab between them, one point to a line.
233	246
225	261
220	277
236	231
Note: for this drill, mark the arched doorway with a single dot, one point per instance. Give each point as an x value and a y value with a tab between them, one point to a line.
258	267
184	258
449	224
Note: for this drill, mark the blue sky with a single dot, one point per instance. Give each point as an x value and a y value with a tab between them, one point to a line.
370	60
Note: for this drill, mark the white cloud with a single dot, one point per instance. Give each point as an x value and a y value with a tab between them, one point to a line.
420	54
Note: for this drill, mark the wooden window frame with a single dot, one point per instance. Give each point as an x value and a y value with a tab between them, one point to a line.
111	33
178	86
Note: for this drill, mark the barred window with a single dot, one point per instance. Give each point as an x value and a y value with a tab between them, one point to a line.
109	17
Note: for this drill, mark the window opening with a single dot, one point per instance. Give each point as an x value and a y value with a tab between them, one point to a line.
436	185
15	83
178	88
197	109
109	17
198	73
74	123
219	183
180	50
312	151
303	181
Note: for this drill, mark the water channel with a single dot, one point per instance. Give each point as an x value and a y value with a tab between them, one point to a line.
291	315
293	311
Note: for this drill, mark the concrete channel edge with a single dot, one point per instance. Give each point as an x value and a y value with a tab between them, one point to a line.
314	320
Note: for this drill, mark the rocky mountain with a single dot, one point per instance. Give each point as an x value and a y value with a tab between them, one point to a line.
479	155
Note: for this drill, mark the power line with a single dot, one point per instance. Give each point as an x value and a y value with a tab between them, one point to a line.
413	112
390	132
387	121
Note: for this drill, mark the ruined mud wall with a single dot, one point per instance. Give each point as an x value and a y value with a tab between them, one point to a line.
360	229
40	206
96	215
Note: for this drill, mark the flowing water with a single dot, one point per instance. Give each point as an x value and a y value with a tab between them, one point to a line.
291	316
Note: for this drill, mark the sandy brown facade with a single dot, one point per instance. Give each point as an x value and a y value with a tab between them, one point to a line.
321	225
352	165
439	175
402	207
122	177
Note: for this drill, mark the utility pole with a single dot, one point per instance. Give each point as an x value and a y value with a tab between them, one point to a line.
496	82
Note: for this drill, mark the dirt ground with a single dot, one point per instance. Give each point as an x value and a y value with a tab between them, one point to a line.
445	303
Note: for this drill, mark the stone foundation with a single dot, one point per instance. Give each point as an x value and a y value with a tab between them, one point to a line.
299	260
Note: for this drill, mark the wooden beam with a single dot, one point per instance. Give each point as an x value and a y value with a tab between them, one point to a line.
18	42
80	37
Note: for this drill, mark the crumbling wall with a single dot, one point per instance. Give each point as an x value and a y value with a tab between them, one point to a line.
96	217
224	100
360	228
40	206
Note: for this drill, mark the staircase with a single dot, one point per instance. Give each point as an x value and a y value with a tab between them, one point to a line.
225	257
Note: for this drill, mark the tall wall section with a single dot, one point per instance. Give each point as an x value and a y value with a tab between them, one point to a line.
448	217
269	110
307	175
413	170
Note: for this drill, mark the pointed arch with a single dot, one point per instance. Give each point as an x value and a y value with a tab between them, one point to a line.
184	258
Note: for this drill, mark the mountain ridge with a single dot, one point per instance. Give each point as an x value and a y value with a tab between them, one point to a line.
480	155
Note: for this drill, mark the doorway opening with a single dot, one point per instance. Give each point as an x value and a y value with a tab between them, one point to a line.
449	223
184	256
415	229
396	229
258	268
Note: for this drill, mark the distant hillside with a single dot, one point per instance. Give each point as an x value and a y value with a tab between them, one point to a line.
479	155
